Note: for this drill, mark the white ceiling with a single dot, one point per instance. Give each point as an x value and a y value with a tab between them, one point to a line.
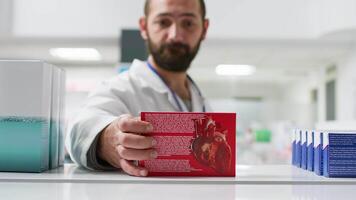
282	38
103	18
272	19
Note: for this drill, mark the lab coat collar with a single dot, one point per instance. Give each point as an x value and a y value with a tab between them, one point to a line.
147	78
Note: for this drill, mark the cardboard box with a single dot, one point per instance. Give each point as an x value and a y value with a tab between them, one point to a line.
318	153
339	154
61	123
304	142
310	150
192	144
298	153
54	125
294	147
29	115
25	90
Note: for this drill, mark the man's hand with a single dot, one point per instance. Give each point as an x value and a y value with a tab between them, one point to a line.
124	141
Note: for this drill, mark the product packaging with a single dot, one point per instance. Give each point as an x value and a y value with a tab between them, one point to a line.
304	144
310	150
318	153
339	154
298	148
29	116
294	146
192	144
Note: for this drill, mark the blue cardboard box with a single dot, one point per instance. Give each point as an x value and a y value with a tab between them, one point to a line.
318	153
339	154
294	146
310	150
304	142
298	147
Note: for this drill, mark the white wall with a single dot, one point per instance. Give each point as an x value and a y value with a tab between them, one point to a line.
330	16
259	19
345	76
322	79
346	88
231	18
234	88
94	18
5	18
300	91
283	19
296	103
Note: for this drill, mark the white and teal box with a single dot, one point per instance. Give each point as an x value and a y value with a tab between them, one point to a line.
54	125
339	154
25	114
62	95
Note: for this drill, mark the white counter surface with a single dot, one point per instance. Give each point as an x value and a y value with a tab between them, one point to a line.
251	182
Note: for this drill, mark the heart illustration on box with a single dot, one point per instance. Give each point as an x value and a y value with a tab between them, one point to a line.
209	145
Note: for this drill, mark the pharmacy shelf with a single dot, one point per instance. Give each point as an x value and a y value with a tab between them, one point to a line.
97	191
252	182
245	174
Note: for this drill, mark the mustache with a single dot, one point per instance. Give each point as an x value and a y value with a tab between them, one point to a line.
176	45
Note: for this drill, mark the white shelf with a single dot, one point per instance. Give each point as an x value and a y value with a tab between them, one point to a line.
245	174
252	182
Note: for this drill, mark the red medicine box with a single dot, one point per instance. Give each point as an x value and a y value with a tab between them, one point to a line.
192	144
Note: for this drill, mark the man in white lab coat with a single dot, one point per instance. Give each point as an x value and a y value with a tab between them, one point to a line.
107	134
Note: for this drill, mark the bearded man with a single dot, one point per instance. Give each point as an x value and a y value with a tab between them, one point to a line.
107	134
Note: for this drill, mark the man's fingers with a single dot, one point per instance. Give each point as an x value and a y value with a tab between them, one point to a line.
134	141
136	154
131	124
131	169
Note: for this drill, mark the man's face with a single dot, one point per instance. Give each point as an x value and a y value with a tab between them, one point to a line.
173	31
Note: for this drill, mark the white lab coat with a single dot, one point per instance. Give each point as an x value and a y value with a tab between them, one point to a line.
136	90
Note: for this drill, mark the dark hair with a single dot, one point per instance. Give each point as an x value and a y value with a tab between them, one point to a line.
202	6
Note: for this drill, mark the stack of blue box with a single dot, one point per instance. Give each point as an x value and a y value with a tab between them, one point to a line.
326	153
31	116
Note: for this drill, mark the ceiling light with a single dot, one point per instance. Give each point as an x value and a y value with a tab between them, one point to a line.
79	54
235	70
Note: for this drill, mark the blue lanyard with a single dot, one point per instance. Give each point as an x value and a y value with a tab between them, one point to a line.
172	92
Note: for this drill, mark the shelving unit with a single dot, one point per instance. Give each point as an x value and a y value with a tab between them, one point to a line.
251	182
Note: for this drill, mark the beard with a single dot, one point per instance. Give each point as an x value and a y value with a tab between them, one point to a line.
174	57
